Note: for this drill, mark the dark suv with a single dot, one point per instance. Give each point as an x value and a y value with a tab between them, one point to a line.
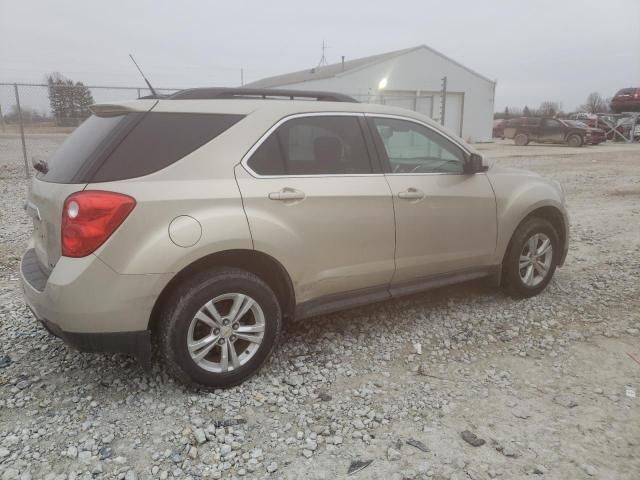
626	100
545	130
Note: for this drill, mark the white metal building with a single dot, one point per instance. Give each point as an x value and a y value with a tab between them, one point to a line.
410	78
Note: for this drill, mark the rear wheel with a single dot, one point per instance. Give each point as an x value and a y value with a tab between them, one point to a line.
521	139
219	328
575	140
531	259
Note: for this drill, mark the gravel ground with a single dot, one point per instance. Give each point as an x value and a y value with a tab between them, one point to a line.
546	388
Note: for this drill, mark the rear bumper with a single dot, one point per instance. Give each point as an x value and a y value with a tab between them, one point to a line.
90	306
133	343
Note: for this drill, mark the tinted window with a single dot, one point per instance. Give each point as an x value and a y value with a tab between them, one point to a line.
159	140
268	159
83	147
105	149
323	145
552	123
626	91
414	148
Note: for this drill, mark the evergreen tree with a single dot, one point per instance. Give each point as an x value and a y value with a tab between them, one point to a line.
69	102
526	111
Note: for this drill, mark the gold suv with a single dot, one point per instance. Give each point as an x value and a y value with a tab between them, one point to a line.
206	219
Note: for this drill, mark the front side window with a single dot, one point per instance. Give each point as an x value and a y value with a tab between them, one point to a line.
552	123
414	148
314	145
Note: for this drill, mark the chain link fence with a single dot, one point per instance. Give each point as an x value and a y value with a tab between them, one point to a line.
36	118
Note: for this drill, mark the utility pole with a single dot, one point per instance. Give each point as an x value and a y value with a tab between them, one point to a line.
242	77
443	99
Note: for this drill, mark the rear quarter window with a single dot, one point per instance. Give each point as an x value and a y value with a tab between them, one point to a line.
87	145
106	149
159	140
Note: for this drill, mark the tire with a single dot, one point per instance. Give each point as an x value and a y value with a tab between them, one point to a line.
521	139
575	140
512	273
225	287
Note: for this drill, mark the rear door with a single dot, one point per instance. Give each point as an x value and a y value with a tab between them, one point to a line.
316	203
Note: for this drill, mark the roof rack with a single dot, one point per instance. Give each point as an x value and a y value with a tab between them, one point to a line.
252	93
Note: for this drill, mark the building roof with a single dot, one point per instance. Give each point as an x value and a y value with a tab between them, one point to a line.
337	69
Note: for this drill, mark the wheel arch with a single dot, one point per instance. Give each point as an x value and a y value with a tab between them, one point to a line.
264	266
554	216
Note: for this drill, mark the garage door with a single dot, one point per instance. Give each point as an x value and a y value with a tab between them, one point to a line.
453	113
402	101
424	105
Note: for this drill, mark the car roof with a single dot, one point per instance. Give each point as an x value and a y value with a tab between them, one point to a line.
275	109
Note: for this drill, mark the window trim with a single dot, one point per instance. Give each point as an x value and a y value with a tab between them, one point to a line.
385	158
373	160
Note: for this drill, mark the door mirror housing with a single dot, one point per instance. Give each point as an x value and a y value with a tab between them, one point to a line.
474	164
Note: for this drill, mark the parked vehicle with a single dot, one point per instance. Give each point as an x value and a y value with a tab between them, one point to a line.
624	126
498	128
596	135
626	100
596	121
207	219
545	130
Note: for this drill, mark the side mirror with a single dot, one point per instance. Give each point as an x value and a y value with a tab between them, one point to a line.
474	164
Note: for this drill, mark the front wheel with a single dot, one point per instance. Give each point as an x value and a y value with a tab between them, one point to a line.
219	327
531	259
575	141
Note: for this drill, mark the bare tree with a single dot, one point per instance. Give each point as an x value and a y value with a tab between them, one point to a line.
549	109
595	104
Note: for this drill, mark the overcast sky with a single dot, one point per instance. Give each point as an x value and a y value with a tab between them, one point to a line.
557	50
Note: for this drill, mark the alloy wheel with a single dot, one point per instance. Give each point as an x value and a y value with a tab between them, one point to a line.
226	332
535	259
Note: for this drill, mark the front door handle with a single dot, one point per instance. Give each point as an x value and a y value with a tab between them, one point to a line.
287	194
411	194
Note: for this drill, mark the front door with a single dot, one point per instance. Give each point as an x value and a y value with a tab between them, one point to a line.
445	218
316	204
551	130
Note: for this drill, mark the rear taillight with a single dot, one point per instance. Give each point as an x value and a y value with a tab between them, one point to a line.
89	218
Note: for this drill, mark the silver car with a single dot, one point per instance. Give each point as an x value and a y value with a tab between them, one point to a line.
205	220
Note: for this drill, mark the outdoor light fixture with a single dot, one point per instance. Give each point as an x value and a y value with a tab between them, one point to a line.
383	84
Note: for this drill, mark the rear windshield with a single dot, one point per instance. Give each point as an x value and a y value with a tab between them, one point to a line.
626	91
106	149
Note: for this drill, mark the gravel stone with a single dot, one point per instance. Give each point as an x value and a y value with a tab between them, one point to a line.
526	373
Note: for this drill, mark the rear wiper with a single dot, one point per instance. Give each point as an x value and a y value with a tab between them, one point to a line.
41	166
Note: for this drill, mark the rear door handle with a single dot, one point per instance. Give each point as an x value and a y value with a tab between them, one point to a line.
287	194
411	194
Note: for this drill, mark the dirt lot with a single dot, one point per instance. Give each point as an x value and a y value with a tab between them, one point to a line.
548	383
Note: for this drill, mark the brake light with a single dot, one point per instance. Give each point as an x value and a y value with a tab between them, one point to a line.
89	218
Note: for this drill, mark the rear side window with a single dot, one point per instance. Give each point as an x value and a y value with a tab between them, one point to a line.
159	140
315	145
86	145
106	149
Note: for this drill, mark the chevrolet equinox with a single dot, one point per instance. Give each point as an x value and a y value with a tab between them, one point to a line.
206	219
